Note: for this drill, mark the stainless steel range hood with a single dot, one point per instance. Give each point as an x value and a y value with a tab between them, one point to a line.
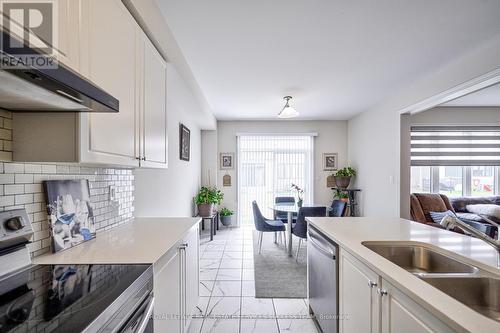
32	89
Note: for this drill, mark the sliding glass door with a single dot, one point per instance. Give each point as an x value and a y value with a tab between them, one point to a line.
267	167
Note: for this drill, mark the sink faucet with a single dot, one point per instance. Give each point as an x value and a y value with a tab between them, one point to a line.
449	222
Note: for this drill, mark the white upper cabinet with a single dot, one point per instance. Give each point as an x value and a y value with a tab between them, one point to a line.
101	41
108	58
153	107
68	48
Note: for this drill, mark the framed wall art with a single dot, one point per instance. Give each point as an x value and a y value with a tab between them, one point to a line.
330	161
184	143
226	161
71	215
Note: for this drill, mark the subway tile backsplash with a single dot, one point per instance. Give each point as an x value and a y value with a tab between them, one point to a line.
21	187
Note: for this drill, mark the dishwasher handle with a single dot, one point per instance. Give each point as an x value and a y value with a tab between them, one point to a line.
329	254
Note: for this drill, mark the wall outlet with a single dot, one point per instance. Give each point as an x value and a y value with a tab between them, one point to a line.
112	193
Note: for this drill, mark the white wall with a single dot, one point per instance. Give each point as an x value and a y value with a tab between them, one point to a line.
148	15
458	116
374	135
209	160
170	192
332	138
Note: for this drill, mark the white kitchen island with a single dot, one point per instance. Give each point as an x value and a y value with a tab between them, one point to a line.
171	245
376	295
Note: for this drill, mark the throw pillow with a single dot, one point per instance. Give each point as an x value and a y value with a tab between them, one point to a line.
485	209
438	216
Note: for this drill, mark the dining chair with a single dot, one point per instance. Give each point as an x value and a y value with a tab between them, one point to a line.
300	228
283	201
339	208
265	225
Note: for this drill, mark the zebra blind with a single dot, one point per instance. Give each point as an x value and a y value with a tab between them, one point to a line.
455	145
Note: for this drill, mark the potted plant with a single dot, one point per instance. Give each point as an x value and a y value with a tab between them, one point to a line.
206	199
343	177
226	216
300	194
341	195
344	197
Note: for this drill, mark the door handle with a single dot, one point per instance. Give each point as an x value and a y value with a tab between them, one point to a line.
148	313
372	284
321	249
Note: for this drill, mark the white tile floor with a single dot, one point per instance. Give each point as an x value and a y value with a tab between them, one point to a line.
227	290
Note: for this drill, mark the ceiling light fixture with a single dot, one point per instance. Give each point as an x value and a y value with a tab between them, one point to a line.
288	111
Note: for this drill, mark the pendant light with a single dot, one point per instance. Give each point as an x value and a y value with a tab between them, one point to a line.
288	111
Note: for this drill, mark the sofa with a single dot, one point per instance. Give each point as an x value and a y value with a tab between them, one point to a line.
422	204
459	204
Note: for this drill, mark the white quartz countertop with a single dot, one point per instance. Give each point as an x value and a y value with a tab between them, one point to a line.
349	233
142	241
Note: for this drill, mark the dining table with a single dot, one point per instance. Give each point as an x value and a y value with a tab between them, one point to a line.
290	210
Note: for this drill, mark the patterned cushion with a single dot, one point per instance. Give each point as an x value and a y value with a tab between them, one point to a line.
438	216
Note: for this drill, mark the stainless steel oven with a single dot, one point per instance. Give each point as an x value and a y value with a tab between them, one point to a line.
141	321
68	298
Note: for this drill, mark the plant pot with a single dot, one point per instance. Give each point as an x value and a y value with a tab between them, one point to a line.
300	203
344	199
206	210
342	182
226	220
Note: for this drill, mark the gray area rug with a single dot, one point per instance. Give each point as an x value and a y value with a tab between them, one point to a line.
276	274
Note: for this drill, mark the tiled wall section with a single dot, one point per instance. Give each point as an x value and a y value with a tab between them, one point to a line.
21	186
5	136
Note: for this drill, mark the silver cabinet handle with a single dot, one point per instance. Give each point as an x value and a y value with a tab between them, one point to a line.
372	284
381	292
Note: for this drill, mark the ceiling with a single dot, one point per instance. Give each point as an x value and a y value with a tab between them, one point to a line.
485	97
335	57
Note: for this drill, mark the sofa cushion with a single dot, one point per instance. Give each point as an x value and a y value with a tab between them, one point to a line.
430	202
470	217
437	217
460	203
489	210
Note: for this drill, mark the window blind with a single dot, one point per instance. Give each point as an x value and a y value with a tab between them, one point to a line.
267	167
455	145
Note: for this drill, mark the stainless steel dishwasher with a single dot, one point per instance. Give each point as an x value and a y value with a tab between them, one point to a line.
322	270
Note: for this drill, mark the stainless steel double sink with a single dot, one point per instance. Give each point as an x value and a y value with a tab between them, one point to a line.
462	281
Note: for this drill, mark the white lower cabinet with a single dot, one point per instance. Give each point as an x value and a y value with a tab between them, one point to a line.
401	314
167	291
191	273
176	285
358	298
371	304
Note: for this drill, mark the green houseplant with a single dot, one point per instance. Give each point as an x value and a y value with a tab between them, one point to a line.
343	177
226	216
206	199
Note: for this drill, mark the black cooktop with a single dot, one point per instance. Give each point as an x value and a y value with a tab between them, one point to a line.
61	298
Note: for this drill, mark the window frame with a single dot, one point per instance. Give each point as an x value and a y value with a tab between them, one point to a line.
466	180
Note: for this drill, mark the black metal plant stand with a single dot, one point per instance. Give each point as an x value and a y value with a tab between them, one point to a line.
352	203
